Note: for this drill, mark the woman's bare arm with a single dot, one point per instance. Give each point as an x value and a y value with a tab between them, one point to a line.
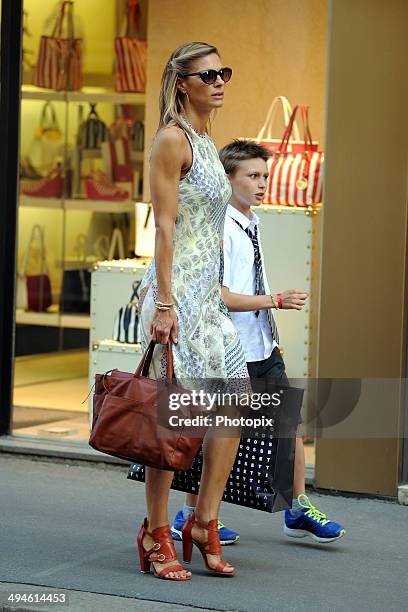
168	157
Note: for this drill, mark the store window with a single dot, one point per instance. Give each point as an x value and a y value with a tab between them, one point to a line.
80	184
81	172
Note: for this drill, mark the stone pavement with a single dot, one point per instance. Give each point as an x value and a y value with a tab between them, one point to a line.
72	528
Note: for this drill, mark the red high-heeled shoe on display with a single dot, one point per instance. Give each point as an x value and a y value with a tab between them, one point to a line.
99	187
51	186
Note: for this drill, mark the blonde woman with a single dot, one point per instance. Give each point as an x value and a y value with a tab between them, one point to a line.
181	292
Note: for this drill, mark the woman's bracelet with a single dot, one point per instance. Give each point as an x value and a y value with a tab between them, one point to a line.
168	305
279	296
274	302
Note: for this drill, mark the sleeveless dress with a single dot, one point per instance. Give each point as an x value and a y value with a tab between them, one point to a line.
208	344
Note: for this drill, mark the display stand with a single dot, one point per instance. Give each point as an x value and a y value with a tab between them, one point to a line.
111	289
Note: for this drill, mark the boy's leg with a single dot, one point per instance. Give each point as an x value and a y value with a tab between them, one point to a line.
299	472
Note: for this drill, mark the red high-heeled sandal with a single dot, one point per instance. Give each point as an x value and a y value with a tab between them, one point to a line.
212	547
162	551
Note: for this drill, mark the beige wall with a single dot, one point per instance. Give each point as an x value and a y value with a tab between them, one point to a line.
363	297
274	46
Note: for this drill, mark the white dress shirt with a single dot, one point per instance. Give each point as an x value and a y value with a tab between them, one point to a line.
240	277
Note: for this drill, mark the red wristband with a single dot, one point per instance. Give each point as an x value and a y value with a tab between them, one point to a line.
279	296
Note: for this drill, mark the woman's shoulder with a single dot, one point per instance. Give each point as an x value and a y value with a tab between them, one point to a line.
170	135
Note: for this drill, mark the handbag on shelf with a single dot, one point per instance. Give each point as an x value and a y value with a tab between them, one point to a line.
145	230
76	281
296	178
131	130
117	160
34	290
116	245
59	64
126	325
131	54
128	423
47	143
267	134
137	137
93	131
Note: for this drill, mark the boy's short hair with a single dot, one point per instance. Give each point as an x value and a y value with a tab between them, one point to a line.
239	150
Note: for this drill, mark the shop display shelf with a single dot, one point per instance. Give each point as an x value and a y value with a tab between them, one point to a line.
289	210
99	205
115	346
26	200
136	156
92	95
79	204
52	319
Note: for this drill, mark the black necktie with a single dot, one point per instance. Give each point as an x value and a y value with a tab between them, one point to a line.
259	278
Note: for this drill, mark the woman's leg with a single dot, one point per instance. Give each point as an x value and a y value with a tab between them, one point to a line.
158	483
219	456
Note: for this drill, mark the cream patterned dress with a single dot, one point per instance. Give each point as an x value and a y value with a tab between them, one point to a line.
208	344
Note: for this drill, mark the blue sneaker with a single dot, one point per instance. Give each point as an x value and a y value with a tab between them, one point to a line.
226	535
311	522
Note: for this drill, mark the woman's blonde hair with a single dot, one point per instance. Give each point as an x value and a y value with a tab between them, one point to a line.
171	98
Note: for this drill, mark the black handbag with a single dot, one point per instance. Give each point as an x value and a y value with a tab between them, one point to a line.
76	281
76	291
92	132
262	475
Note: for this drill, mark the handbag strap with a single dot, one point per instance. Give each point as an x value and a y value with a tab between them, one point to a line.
116	242
266	131
80	247
135	291
131	24
36	229
148	214
101	246
144	365
306	130
48	119
66	9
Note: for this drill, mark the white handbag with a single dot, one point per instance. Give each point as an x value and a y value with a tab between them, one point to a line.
145	230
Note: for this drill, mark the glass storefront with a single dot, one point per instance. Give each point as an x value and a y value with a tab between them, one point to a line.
81	171
76	210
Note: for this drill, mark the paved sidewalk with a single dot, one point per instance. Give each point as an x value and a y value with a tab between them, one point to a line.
72	528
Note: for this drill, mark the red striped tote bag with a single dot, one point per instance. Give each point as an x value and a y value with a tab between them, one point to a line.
59	64
296	177
131	54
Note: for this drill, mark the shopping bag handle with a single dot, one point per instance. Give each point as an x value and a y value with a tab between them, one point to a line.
144	365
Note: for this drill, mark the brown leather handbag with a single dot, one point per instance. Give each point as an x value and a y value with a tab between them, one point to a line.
130	418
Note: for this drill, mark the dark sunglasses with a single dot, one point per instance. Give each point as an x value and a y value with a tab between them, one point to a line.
210	76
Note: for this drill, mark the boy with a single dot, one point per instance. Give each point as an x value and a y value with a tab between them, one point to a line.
247	296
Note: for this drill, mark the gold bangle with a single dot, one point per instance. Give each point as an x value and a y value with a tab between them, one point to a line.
164	304
162	307
274	302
